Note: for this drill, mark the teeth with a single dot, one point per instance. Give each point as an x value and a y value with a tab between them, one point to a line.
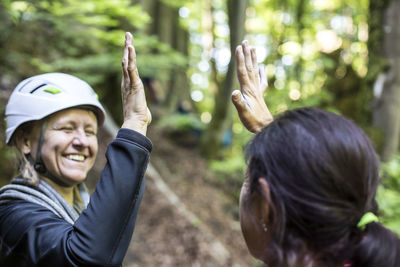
76	157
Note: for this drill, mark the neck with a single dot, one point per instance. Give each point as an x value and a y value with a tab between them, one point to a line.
66	192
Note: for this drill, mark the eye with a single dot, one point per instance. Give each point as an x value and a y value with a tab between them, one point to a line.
67	129
90	132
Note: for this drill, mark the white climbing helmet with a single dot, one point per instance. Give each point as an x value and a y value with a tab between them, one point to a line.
39	96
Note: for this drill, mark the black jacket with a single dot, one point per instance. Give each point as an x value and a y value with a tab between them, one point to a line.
31	235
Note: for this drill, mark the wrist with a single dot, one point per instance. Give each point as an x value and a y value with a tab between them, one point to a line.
140	127
262	124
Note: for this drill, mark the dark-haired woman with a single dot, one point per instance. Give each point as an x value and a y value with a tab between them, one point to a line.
309	194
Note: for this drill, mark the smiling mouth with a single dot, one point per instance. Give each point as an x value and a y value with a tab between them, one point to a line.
75	157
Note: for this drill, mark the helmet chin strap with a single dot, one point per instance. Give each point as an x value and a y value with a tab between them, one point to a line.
39	164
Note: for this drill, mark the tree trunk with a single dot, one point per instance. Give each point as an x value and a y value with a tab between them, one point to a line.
386	113
165	25
221	118
179	90
150	7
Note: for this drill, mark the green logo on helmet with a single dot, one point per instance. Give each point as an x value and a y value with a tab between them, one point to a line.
52	90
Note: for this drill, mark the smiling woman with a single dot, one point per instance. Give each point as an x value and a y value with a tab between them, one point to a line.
46	218
69	145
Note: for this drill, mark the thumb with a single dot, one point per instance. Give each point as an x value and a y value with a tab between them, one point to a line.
238	100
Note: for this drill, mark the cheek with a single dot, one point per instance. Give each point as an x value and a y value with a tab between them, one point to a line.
251	233
255	237
50	154
244	192
241	197
94	146
50	147
246	219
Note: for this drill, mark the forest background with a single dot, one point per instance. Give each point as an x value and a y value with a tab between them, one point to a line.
340	55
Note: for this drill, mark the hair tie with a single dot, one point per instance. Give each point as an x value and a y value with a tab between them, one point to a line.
367	218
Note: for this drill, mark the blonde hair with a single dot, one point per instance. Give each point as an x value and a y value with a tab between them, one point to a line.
27	170
25	167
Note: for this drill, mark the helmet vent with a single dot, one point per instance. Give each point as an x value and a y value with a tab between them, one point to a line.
43	84
52	90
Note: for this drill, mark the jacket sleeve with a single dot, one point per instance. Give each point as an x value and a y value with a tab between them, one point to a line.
102	233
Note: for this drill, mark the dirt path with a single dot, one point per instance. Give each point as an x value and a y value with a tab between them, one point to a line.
167	236
183	219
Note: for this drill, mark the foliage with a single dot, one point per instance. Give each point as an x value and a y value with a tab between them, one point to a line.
7	156
388	194
183	128
181	122
176	3
311	49
315	53
83	38
231	167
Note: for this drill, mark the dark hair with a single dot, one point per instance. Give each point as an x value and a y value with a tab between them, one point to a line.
322	172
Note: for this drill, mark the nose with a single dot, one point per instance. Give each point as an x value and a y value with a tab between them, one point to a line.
80	139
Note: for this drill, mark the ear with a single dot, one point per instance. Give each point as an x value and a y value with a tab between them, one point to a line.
254	221
260	201
264	200
23	143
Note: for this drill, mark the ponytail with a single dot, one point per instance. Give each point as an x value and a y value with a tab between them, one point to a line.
379	248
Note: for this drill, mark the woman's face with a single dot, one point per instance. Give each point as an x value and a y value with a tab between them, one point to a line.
69	145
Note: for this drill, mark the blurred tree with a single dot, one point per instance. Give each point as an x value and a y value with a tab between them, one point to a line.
386	111
166	27
221	116
316	54
83	38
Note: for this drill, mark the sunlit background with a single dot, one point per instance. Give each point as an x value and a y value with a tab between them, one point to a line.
324	53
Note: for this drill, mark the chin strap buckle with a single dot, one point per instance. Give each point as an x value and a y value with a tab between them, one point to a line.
39	167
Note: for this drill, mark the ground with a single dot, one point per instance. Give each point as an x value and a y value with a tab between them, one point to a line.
183	218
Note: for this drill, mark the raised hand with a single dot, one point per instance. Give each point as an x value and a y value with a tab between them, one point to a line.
136	114
249	101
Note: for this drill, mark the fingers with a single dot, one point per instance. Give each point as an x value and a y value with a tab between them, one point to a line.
254	57
132	69
241	67
247	57
249	102
263	79
136	114
125	55
248	71
129	68
255	72
250	58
